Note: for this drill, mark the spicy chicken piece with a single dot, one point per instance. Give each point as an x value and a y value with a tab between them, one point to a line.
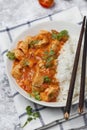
28	39
16	71
24	62
54	45
37	81
28	87
18	54
41	40
23	46
50	93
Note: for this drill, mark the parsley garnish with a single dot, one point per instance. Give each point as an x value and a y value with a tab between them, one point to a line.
60	35
11	55
29	110
47	79
36	95
49	57
51	53
31	115
54	35
32	43
25	62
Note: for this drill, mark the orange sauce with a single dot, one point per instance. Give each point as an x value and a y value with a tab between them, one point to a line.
38	66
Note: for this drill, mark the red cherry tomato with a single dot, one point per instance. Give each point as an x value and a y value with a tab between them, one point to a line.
46	3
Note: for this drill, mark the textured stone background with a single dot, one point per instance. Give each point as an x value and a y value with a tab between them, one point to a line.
19	11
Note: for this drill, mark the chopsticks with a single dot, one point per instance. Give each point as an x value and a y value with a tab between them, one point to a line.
59	121
82	84
83	73
74	71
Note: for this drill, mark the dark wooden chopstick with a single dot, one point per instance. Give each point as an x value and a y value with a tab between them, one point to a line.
83	74
59	121
74	71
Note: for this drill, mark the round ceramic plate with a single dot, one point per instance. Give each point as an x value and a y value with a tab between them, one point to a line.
74	31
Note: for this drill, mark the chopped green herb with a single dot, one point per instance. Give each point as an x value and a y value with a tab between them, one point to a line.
35	114
47	79
31	115
49	62
60	35
46	52
25	124
48	65
36	95
49	56
52	52
54	36
11	55
49	59
32	43
25	62
29	119
29	110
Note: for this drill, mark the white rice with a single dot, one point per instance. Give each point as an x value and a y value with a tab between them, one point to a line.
64	70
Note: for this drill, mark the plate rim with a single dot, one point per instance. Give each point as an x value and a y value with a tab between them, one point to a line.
14	43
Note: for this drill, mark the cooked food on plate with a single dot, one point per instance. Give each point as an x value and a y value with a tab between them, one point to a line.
35	64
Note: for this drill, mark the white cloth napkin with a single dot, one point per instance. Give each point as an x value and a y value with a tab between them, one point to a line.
47	114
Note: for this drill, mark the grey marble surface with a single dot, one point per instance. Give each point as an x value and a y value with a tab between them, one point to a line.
15	12
8	115
18	11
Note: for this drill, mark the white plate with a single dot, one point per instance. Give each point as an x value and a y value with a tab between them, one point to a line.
73	30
